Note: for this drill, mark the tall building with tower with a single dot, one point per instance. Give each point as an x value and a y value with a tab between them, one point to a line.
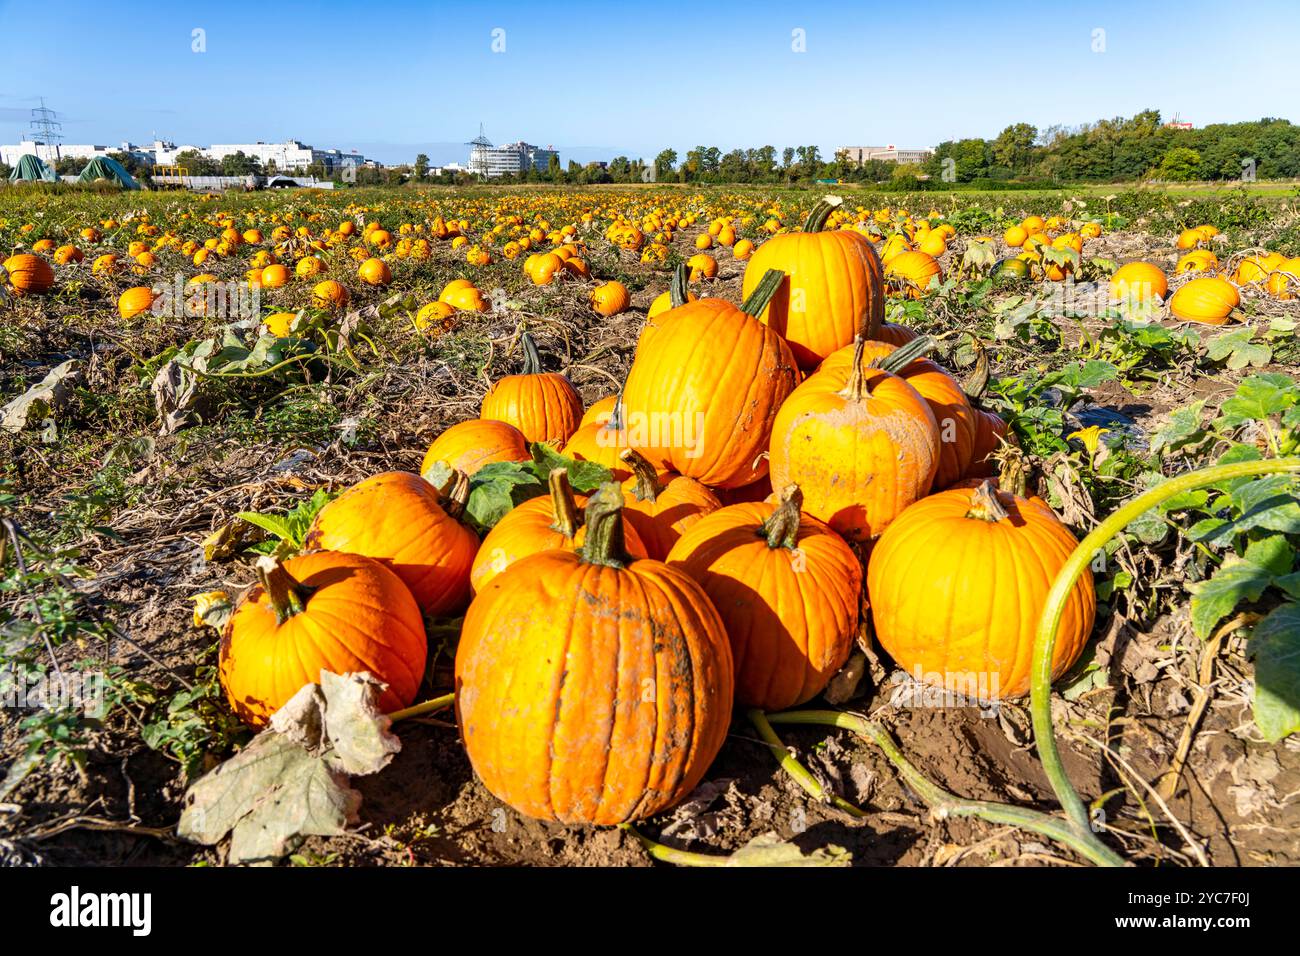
491	161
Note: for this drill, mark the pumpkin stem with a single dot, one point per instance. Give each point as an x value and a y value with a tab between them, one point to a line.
532	359
781	529
856	386
816	220
648	487
615	421
984	503
288	597
677	288
563	504
454	493
977	382
763	292
1013	474
605	545
904	355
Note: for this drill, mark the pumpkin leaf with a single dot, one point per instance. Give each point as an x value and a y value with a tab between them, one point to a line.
1237	580
1275	645
290	528
1236	350
1183	428
770	850
291	781
585	476
43	399
1258	398
493	490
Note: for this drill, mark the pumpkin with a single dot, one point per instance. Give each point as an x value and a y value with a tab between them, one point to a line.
591	687
1137	282
135	301
860	442
704	387
787	588
957	585
329	294
1015	236
1284	281
833	283
1208	299
375	272
660	506
912	272
952	411
599	411
990	432
412	527
610	298
548	522
542	405
469	445
28	274
325	611
602	443
1199	260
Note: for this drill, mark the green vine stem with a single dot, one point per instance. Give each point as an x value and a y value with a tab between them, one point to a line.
807	782
424	708
666	854
945	804
820	212
1040	688
905	355
763	292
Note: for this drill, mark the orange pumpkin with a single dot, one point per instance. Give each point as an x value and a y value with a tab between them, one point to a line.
788	590
860	442
952	411
601	442
990	432
135	301
610	298
705	386
661	506
542	405
469	445
599	411
1137	282
957	585
408	524
833	282
547	523
591	687
325	611
29	274
1208	299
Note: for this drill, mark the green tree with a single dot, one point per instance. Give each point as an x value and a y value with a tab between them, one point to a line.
1180	164
665	162
421	166
1014	146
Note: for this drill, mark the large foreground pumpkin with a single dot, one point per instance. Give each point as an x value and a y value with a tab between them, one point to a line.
860	442
787	588
833	281
321	611
542	405
591	688
704	387
404	521
957	585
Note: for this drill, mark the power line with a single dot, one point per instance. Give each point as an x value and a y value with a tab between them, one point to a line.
45	125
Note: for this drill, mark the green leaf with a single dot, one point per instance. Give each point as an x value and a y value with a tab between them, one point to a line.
1274	554
277	525
1236	581
585	476
769	850
1237	349
1258	398
1183	428
1275	644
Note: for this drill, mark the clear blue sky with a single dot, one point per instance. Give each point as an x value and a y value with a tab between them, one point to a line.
395	78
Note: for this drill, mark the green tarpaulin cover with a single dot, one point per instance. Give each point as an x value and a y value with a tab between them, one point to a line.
101	167
32	169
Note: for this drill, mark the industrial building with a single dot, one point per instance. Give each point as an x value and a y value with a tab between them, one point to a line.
888	154
289	156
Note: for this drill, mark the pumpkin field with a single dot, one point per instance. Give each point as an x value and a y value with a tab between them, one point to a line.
650	526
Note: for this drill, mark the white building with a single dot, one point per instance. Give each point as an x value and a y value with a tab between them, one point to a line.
888	154
289	155
507	160
53	152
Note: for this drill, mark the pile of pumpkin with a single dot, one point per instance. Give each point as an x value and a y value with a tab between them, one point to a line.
778	468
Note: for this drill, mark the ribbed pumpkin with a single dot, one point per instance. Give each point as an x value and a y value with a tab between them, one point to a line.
704	387
860	442
599	411
833	281
610	298
324	611
952	411
957	585
601	442
787	588
29	274
912	272
591	687
542	405
469	445
990	432
408	524
551	522
661	506
1137	282
1208	299
135	301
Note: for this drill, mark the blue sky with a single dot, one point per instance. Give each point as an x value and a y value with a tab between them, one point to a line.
596	80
